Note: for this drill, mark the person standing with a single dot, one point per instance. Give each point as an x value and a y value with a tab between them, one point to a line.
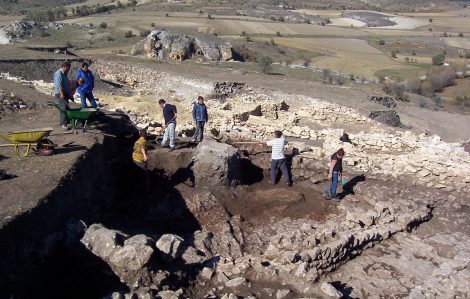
200	118
62	91
278	158
334	175
86	84
169	114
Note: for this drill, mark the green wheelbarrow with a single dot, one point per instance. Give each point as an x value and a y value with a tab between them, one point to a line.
76	114
26	138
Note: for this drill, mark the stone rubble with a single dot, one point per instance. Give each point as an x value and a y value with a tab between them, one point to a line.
254	115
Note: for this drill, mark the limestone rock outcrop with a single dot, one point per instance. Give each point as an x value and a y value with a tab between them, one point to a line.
169	45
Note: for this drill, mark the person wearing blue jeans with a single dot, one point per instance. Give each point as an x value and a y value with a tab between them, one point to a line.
86	84
169	114
334	175
278	159
200	118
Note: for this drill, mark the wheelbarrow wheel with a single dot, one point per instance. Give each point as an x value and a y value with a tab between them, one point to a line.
45	147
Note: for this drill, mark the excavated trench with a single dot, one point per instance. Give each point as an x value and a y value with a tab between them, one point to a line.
48	261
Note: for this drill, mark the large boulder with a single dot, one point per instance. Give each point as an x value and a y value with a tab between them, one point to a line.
170	246
170	45
216	164
121	252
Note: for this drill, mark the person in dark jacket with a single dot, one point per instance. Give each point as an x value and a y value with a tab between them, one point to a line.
169	114
334	175
86	83
200	118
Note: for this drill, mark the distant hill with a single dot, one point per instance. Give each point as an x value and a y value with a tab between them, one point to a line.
16	6
395	5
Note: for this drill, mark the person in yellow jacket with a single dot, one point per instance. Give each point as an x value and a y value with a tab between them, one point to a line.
140	150
139	155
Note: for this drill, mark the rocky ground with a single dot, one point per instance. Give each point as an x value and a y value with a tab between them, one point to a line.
212	226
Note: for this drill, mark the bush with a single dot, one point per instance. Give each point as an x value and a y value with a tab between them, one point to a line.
327	76
437	100
209	16
422	103
340	80
460	34
393	53
414	85
307	62
278	33
128	34
381	42
413	53
243	33
265	63
438	59
440	79
145	33
396	90
152	25
103	25
462	101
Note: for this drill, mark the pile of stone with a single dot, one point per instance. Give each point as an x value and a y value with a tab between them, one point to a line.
386	101
19	29
252	114
388	117
169	45
9	101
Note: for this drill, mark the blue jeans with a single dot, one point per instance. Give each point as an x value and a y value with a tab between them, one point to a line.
334	184
199	133
281	163
169	135
90	97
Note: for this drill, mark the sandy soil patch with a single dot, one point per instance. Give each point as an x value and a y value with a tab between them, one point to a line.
319	12
458	42
345	55
221	26
406	23
346	22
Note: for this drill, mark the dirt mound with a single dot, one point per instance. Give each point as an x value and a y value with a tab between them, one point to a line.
389	118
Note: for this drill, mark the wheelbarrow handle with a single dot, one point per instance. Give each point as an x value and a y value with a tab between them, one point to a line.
57	106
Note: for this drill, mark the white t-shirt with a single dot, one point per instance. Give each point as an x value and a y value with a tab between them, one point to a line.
278	148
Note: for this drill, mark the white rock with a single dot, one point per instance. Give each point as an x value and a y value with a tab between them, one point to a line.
330	290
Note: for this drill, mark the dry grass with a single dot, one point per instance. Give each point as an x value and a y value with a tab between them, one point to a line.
345	55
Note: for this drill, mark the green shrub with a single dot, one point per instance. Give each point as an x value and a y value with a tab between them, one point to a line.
265	63
128	34
438	59
103	25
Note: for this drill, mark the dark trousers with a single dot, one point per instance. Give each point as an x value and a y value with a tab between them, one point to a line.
199	133
146	175
281	163
63	104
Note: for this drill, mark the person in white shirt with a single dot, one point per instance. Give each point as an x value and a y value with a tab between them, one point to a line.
278	159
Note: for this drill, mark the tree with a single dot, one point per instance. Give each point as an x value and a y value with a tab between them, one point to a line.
103	25
265	63
327	76
438	59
